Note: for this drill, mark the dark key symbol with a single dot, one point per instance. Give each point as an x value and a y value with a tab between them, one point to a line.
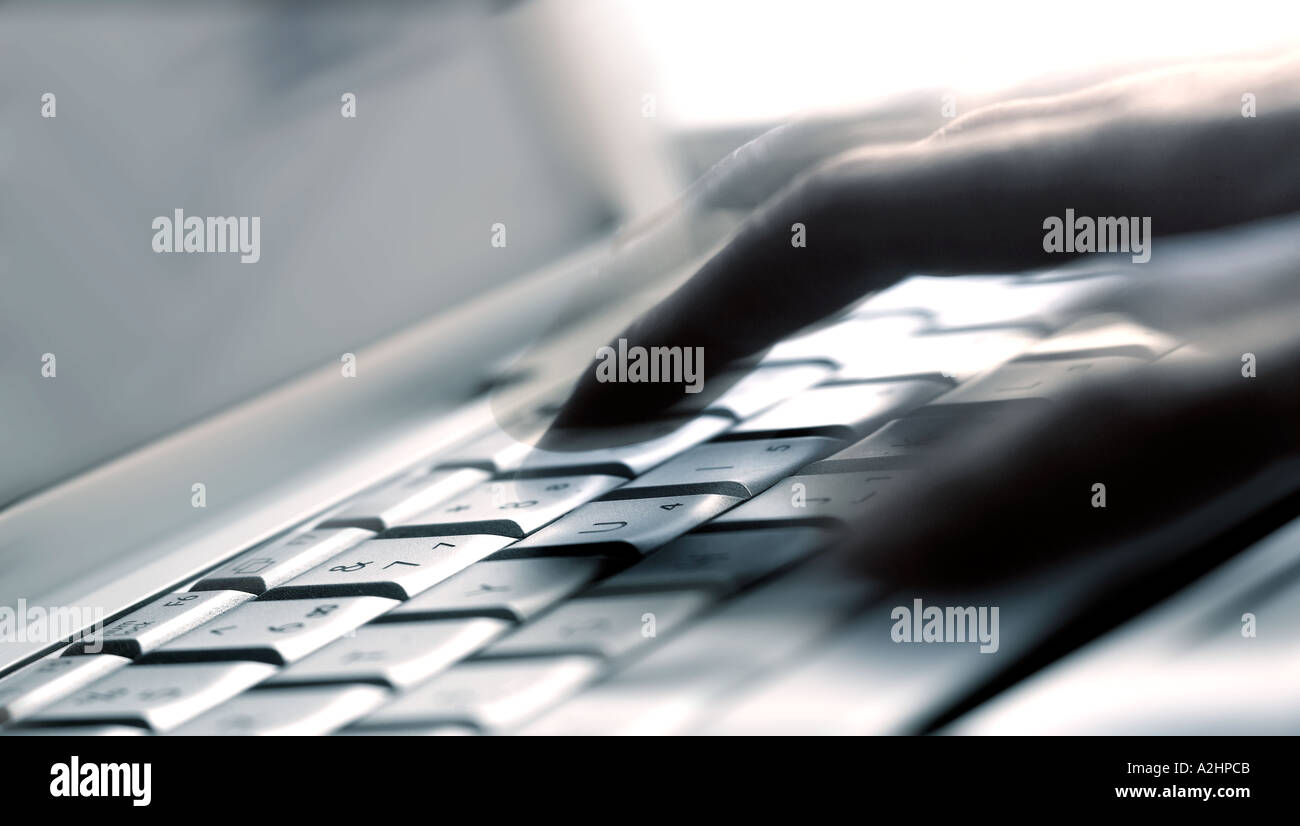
527	503
282	629
391	564
181	600
347	569
673	506
458	509
322	611
443	545
863	499
556	486
821	500
486	589
222	629
777	448
616	525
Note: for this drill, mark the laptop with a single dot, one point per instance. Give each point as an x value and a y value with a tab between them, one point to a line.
290	297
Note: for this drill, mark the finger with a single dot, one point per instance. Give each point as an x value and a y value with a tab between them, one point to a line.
1163	443
976	202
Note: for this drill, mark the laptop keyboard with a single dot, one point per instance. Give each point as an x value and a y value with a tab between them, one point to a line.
655	586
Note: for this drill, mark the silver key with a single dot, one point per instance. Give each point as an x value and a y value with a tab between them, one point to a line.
260	569
1036	380
159	697
836	343
392	568
723	561
511	589
756	390
956	356
735	468
51	679
626	526
74	731
158	622
513	507
994	301
277	632
396	501
828	499
623	451
680	682
609	626
290	712
1106	334
846	411
400	655
903	442
489	695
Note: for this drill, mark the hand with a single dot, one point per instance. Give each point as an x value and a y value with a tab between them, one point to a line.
1175	443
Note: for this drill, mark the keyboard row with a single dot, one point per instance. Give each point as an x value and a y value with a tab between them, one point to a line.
472	594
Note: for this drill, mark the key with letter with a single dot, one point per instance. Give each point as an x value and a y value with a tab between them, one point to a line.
53	678
160	621
158	697
511	589
275	563
392	568
400	655
276	632
623	527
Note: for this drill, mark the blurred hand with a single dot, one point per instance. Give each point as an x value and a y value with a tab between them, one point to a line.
972	197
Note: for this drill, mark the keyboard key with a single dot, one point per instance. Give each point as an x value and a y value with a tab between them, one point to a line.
686	678
955	357
277	632
489	695
395	502
260	569
994	301
287	712
400	655
903	442
74	731
158	622
734	468
1036	379
754	390
511	589
722	561
53	678
499	446
609	626
392	568
842	341
829	499
509	507
1105	334
847	411
159	697
625	527
624	451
